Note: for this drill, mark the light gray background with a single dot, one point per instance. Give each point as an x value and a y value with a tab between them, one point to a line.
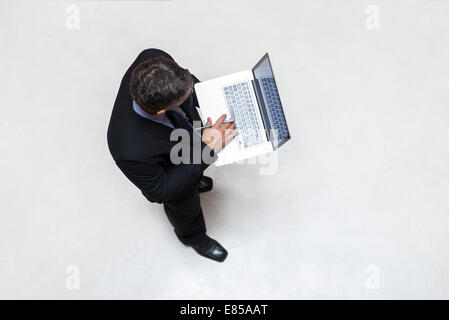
362	185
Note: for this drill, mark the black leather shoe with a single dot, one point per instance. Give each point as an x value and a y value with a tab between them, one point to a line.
211	249
205	184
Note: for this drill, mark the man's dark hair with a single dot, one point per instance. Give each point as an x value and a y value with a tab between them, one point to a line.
159	83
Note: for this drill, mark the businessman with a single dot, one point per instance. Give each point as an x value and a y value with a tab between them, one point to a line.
156	97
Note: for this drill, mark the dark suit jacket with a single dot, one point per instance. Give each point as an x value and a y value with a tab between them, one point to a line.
141	147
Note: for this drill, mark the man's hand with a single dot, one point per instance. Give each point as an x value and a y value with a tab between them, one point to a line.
219	135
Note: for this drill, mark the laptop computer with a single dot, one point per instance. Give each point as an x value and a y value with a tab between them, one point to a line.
250	97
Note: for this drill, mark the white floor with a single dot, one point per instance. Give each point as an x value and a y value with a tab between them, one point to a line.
357	207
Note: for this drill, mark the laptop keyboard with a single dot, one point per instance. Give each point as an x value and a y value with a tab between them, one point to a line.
242	108
274	107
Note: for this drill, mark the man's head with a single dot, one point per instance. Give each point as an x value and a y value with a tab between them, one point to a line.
160	84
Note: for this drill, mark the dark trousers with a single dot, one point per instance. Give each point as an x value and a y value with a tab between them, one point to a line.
186	216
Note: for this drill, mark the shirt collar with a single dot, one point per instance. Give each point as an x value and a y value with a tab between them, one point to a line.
140	111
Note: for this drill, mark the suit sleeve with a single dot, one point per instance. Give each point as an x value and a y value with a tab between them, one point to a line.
165	184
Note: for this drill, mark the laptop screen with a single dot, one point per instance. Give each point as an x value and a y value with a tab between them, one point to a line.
270	103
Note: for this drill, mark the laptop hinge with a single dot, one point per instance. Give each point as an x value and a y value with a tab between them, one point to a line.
262	108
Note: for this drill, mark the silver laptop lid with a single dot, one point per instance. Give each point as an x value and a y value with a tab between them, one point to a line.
270	103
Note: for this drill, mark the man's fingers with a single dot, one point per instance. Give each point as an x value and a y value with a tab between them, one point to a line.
230	135
229	125
209	121
230	132
220	121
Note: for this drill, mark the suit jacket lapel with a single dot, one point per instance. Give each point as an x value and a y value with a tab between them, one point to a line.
160	130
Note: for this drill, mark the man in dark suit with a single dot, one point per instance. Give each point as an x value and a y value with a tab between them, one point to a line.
157	97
